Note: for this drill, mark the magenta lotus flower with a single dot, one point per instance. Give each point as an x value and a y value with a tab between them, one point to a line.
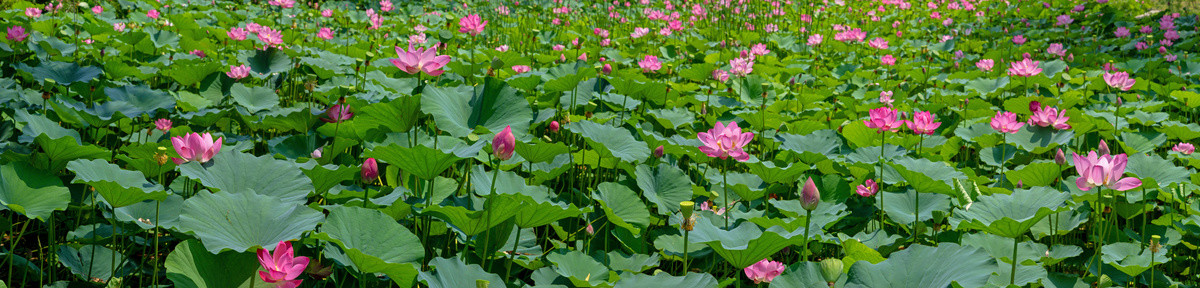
282	267
1006	122
237	33
1184	147
270	37
606	69
883	119
327	13
1019	39
867	189
649	63
17	34
337	114
163	124
238	72
416	60
741	66
471	24
878	43
1119	80
810	197
922	123
888	60
195	147
720	75
504	143
985	64
1121	32
153	14
764	271
33	12
725	141
370	170
1103	171
1047	116
325	33
1063	20
1024	68
520	69
554	126
815	39
97	9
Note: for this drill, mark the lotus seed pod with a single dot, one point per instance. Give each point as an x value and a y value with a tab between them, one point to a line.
686	208
831	269
1104	282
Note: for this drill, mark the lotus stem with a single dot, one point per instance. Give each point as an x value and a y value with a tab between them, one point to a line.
882	141
1012	277
725	183
807	228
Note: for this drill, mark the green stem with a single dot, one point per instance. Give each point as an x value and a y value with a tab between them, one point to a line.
513	255
685	249
807	223
725	183
1012	277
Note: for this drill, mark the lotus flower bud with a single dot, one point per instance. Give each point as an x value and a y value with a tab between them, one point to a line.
1103	150
316	153
831	269
809	196
504	144
658	152
370	170
1060	158
607	69
554	126
1020	184
1104	282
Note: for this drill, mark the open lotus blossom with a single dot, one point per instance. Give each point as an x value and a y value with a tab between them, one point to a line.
922	123
764	271
1063	20
649	63
33	12
370	170
985	64
867	189
97	9
1024	68
1184	147
504	143
720	75
153	14
725	141
520	69
471	24
16	34
741	66
337	114
1019	39
815	39
416	60
1056	49
883	119
885	97
238	72
878	43
1047	116
325	33
1119	80
196	147
810	197
163	124
282	266
1006	122
888	60
1103	171
237	33
119	26
1121	32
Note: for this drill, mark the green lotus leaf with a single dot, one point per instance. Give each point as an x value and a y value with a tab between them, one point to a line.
1010	215
665	186
924	266
582	270
145	213
744	245
475	221
254	98
374	242
493	105
1042	173
63	150
119	187
537	151
242	221
927	176
633	263
62	72
190	266
662	279
264	175
623	207
1131	258
806	274
901	209
266	62
454	273
31	192
611	141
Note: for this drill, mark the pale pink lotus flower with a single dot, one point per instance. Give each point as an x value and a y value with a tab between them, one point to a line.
922	123
153	14
1103	171
878	43
418	38
197	52
503	144
385	5
1006	122
947	22
759	49
471	24
1024	68
1019	39
582	57
1056	49
883	119
316	153
741	66
1184	147
985	64
764	271
1064	20
327	13
888	60
237	33
33	12
725	142
270	37
282	267
518	69
1046	116
416	60
119	26
163	124
720	75
1121	32
638	32
1119	80
810	197
97	9
815	39
1141	46
195	147
502	48
867	189
707	206
885	97
325	33
238	72
16	34
1170	57
649	63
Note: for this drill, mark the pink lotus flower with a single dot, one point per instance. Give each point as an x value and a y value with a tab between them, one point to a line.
16	33
270	37
1104	170
1121	32
922	123
1047	116
554	126
97	9
327	13
197	52
471	24
1006	122
868	189
520	69
416	60
1184	147
885	97
1141	46
878	43
720	75
1019	39
33	12
725	141
649	63
237	33
195	147
606	69
815	39
639	32
764	271
418	38
325	33
153	14
385	5
888	60
238	72
985	64
282	267
504	143
337	114
1056	49
759	49
1119	80
119	26
316	154
883	118
370	170
810	197
163	124
741	66
1024	68
1064	20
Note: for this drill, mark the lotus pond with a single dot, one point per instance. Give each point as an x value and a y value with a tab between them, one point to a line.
665	143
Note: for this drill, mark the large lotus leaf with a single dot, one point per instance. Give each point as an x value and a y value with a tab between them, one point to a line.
63	150
537	151
1035	174
91	261
581	269
822	142
266	61
451	273
613	141
1025	274
264	175
38	125
998	155
743	246
166	212
901	209
190	266
327	176
927	176
254	98
424	162
662	279
806	274
1040	139
1011	215
493	105
1064	222
374	242
398	115
857	251
473	222
986	86
825	213
241	221
133	101
665	186
773	174
1153	169
632	263
673	118
1000	248
62	72
623	207
32	192
506	183
924	266
119	187
1131	258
